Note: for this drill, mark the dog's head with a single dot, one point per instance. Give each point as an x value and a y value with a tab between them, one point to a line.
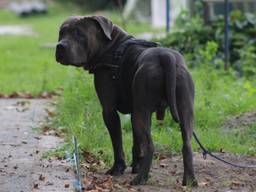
80	38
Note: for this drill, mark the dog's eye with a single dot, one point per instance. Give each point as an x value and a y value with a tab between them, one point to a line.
60	33
78	33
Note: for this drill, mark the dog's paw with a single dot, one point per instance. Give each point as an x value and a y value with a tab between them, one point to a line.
117	169
139	180
190	182
135	168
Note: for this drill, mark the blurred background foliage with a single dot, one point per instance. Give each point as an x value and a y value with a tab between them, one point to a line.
192	34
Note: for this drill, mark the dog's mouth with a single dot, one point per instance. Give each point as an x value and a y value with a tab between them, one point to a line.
62	59
84	65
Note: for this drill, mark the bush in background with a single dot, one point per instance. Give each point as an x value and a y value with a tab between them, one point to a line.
193	35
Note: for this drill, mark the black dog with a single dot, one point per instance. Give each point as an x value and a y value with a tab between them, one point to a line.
135	77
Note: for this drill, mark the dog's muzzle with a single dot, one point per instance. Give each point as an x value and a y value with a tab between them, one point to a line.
61	53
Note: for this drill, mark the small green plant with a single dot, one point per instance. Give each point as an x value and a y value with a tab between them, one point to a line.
248	61
251	90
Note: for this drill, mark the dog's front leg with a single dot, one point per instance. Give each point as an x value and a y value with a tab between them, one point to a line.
103	84
112	122
143	148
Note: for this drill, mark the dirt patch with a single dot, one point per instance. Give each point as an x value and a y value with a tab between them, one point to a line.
166	176
245	119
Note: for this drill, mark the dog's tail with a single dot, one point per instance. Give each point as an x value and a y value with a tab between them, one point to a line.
168	61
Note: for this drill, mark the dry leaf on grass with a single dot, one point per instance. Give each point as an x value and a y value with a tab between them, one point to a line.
23	95
236	184
50	113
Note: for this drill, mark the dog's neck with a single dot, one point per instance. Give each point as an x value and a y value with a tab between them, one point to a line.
107	47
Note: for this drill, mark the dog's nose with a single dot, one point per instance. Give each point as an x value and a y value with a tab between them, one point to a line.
60	52
61	48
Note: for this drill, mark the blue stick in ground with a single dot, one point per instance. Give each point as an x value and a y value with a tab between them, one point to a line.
227	54
168	18
77	184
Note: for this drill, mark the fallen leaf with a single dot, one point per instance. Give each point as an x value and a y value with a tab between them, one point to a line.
85	165
90	187
222	150
163	165
131	189
45	95
86	181
36	186
50	113
48	183
173	172
38	138
3	96
162	157
24	95
236	184
108	184
204	184
41	178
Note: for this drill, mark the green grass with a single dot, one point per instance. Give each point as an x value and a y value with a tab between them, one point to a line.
79	114
25	65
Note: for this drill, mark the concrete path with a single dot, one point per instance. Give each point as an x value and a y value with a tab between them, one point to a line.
22	168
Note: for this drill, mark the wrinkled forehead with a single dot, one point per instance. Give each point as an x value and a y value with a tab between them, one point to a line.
71	21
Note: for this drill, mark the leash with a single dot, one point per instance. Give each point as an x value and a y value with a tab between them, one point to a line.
207	152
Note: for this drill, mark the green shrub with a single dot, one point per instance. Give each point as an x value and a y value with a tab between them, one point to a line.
193	35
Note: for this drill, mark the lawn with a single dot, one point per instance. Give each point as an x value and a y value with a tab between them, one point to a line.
25	65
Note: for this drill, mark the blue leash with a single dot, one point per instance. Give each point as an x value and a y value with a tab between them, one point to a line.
206	152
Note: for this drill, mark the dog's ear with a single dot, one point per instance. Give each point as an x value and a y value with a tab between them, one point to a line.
105	24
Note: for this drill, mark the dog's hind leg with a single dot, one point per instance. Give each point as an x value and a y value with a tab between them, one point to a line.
141	123
147	93
185	102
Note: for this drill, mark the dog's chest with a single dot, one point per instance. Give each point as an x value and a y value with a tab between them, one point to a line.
124	78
